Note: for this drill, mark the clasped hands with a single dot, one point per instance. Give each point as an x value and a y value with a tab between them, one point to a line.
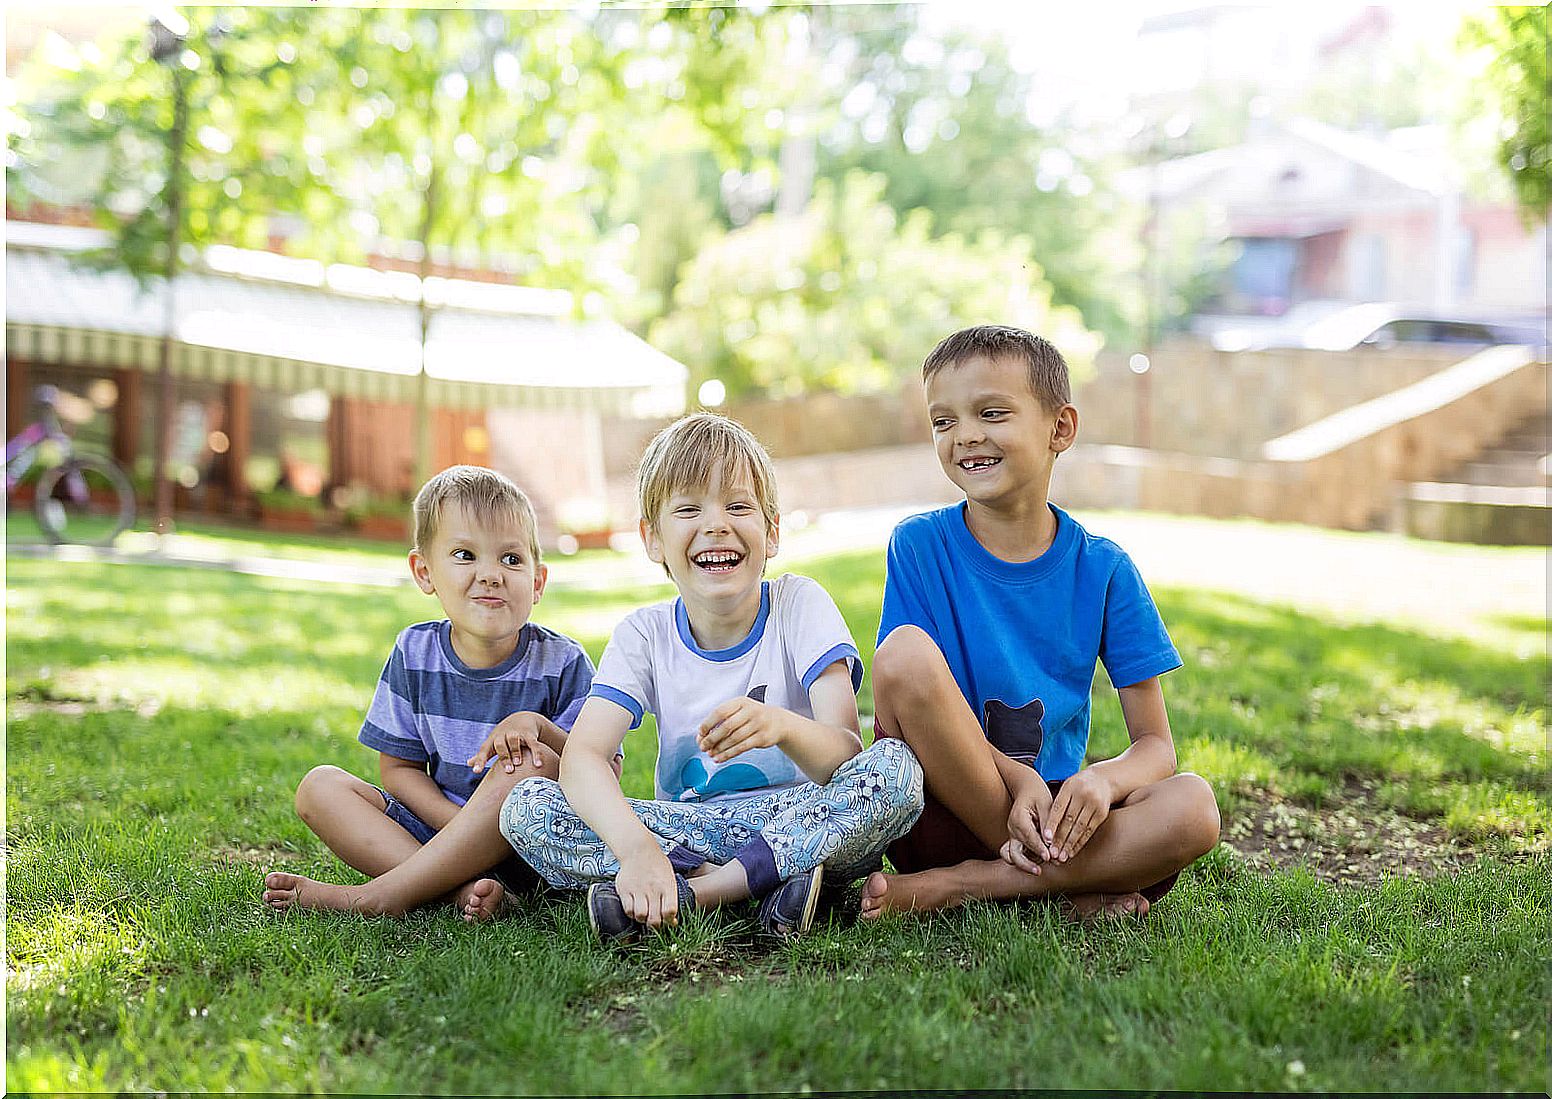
1046	829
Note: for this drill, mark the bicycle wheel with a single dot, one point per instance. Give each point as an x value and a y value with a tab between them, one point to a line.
86	499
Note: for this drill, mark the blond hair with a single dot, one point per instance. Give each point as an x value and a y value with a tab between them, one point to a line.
686	453
489	497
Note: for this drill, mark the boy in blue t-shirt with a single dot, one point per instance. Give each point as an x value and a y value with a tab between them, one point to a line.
995	611
482	682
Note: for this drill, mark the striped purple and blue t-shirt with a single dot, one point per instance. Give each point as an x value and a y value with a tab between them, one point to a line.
432	707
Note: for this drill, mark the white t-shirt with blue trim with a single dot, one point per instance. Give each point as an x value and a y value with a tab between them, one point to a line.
652	663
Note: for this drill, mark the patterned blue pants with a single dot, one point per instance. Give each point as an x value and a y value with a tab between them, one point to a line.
872	799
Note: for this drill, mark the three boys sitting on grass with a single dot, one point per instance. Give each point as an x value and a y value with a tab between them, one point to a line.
995	612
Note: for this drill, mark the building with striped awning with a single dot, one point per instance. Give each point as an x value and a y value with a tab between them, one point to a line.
293	371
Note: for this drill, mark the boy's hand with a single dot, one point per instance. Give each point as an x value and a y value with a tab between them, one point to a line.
1027	847
1081	806
647	889
740	724
515	737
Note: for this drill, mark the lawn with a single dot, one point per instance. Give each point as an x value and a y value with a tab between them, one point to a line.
1377	918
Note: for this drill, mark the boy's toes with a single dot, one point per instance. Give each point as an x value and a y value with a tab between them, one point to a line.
280	889
482	900
1093	906
873	892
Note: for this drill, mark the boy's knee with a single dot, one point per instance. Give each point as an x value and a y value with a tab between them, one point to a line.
532	800
891	768
547	766
1202	820
318	788
901	664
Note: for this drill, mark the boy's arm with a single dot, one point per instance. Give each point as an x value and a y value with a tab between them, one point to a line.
818	745
409	781
1085	799
592	787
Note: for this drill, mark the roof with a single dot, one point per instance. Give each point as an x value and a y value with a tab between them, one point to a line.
351	331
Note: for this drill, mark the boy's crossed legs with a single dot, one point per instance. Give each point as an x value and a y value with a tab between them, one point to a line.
1147	838
734	850
353	819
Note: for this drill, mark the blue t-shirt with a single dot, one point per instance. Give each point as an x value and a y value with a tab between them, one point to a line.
431	707
1022	639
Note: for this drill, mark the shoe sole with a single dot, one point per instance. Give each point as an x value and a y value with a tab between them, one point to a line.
811	905
592	920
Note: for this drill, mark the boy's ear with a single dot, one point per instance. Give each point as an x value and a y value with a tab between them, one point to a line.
773	538
420	569
650	539
541	578
1065	431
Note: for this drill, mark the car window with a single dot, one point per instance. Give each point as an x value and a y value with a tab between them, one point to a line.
1460	332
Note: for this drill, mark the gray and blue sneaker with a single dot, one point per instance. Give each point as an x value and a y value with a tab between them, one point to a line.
606	912
788	910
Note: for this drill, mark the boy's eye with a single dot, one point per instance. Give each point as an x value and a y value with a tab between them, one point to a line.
686	511
741	509
994	413
942	423
463	555
511	560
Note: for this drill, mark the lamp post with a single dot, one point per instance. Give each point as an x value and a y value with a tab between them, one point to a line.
1161	138
167	34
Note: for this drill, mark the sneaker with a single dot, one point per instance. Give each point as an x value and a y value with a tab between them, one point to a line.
608	919
788	909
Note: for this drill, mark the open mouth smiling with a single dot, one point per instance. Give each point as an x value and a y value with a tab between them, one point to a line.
718	560
977	465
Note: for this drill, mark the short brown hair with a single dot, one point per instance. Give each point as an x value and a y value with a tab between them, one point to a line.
488	497
688	451
1047	369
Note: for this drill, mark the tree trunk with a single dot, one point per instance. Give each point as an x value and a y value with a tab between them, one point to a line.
166	402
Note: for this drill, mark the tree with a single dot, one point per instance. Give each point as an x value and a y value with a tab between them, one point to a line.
1519	41
946	120
848	296
112	129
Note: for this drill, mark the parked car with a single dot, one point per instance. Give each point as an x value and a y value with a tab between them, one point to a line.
1383	325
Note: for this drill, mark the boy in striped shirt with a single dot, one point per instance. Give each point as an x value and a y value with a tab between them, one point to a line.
482	684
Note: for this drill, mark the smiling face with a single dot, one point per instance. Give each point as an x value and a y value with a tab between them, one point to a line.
714	541
483	574
995	439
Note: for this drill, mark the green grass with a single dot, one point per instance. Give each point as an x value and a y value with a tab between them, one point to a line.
160	718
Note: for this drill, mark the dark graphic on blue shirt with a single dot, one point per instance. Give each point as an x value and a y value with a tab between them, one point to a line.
1018	733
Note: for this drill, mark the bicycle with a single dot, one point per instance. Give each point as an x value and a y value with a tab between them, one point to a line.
79	496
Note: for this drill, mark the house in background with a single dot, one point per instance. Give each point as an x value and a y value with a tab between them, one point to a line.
1325	215
293	374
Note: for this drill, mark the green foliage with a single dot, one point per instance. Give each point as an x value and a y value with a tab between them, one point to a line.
285	499
946	120
1519	40
93	126
848	296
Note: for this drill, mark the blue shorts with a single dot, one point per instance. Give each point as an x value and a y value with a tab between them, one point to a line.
515	875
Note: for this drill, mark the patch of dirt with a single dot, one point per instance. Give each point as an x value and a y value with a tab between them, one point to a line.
24	706
264	854
1353	840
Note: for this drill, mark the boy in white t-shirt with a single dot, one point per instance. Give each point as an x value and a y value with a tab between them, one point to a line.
761	779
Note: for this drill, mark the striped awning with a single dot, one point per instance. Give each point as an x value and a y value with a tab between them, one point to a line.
284	336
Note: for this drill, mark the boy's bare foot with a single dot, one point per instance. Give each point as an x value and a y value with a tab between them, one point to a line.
919	892
481	900
1086	907
282	890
